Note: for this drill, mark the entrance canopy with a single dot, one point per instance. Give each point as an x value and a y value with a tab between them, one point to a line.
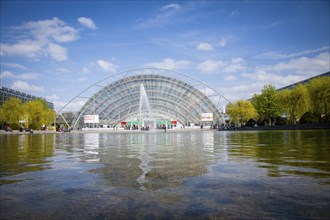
172	96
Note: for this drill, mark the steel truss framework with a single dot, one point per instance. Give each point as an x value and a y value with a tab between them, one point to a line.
172	95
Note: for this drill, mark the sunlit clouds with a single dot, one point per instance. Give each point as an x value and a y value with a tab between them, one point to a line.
107	66
87	22
26	87
44	38
169	64
50	50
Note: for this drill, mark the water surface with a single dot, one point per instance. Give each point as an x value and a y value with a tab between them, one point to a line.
166	175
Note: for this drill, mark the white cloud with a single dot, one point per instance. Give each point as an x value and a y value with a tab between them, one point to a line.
107	66
53	97
272	74
222	42
62	70
271	78
237	60
279	75
277	55
210	66
292	71
8	74
74	106
14	65
41	38
230	78
204	46
165	15
87	22
169	64
209	47
85	70
243	91
57	52
24	86
235	65
25	48
80	79
171	6
234	13
305	65
54	29
275	23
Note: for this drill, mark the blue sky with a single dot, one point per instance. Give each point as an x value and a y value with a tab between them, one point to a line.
55	49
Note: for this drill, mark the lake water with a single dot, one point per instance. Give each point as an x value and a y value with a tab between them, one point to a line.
166	175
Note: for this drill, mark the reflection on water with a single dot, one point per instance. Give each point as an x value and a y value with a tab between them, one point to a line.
152	160
24	153
285	152
91	147
197	174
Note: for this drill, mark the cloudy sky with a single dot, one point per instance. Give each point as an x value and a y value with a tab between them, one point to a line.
55	49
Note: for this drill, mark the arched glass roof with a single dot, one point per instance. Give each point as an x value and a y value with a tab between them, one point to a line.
172	95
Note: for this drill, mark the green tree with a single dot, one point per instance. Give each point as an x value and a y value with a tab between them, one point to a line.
266	103
38	113
11	110
294	102
2	117
319	91
241	111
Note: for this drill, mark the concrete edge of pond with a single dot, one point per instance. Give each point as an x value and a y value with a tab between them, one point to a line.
324	125
309	126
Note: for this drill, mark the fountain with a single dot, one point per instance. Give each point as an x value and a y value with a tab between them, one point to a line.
146	115
147	120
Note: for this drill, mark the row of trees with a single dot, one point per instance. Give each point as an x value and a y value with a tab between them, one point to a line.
32	114
313	97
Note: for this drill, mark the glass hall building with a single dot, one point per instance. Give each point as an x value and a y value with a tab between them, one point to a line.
175	99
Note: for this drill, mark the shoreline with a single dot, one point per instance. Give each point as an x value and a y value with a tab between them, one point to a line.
309	126
325	125
121	131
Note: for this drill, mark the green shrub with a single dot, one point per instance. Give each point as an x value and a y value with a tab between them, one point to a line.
250	122
15	126
308	117
280	121
33	126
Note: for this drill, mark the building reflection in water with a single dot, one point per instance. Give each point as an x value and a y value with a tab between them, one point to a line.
91	147
150	160
282	153
164	159
25	153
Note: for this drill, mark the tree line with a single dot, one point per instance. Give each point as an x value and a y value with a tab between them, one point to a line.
31	114
308	103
